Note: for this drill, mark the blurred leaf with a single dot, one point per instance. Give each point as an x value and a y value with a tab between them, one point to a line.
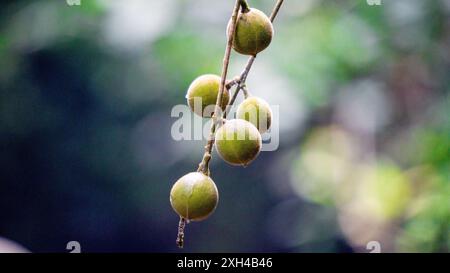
429	229
323	49
183	56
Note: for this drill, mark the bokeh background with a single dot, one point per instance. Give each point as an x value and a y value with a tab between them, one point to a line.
86	153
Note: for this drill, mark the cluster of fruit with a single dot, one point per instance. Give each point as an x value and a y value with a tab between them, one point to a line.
238	141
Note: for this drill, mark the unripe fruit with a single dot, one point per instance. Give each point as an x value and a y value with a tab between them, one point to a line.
205	89
254	32
257	111
194	196
238	142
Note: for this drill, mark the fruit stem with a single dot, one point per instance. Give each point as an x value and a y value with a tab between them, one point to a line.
232	82
204	165
245	90
206	158
244	6
240	81
180	236
276	10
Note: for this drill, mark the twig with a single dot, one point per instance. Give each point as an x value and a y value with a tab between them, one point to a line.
180	236
241	79
276	10
204	165
251	60
244	6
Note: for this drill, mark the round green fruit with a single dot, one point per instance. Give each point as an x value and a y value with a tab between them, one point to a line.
202	94
257	111
254	32
238	142
194	196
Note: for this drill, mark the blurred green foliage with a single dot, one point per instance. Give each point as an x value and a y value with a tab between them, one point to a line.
85	100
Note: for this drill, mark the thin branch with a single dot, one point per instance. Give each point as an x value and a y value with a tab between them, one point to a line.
180	236
245	90
244	74
276	10
230	104
232	82
240	81
251	60
204	165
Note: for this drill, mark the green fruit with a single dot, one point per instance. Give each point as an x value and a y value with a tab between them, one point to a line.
257	111
194	196
205	90
254	32
238	142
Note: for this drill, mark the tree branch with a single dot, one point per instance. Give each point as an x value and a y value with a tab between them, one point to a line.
204	165
275	10
240	81
180	236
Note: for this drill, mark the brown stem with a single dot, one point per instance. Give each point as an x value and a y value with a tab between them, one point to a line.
275	10
232	82
240	81
244	74
244	6
180	236
246	93
233	98
251	60
204	165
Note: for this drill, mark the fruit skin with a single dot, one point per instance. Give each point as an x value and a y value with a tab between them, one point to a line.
194	196
257	111
206	87
238	142
254	32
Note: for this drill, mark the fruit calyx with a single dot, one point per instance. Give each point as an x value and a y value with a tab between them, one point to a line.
244	6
